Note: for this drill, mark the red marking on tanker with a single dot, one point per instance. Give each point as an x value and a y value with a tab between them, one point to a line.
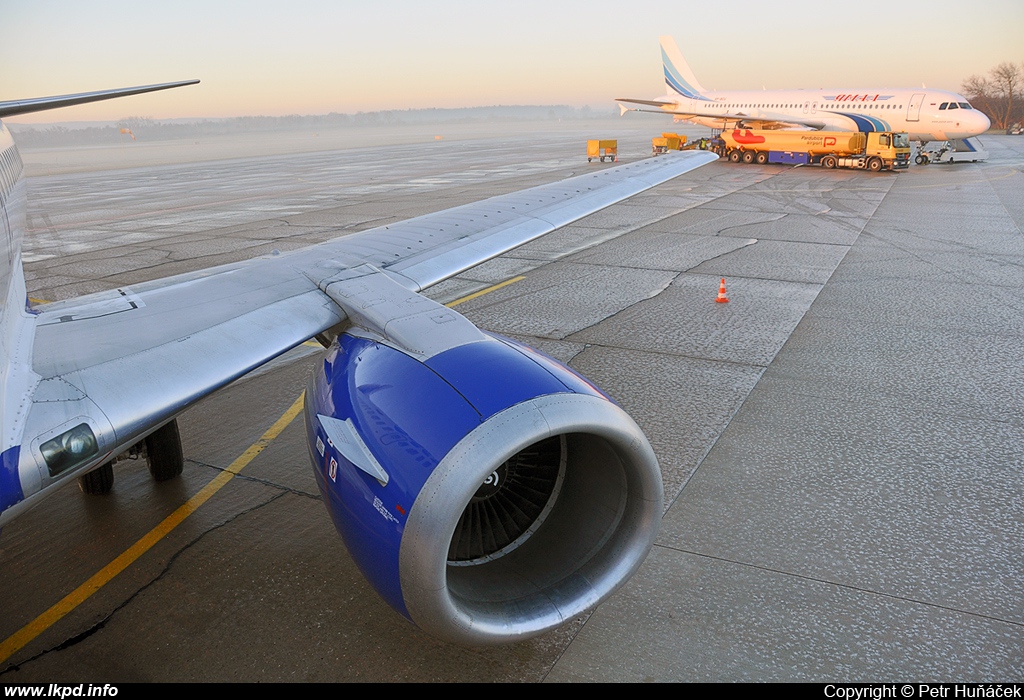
746	137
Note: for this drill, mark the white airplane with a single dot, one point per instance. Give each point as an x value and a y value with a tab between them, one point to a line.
926	115
487	492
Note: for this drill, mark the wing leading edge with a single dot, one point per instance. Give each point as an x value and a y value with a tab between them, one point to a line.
124	362
719	119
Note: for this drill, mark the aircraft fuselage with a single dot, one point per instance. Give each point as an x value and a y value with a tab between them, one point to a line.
926	115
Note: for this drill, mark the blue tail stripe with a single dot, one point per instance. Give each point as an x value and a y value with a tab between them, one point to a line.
675	80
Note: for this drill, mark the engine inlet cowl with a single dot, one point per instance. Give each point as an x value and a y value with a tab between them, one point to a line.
597	522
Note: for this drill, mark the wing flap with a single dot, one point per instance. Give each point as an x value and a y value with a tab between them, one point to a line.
130	321
138	391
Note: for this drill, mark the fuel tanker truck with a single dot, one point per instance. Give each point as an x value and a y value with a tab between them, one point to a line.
873	150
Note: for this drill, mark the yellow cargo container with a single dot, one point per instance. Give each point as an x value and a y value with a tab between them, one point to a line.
601	149
667	142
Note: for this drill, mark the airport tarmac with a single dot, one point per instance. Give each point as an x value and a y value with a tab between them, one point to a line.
842	443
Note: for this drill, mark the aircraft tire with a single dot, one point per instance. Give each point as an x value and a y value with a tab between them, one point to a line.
99	481
748	157
163	451
920	160
875	165
761	157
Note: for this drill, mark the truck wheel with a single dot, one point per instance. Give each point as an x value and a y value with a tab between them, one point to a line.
735	156
828	162
163	451
99	481
761	158
748	157
875	165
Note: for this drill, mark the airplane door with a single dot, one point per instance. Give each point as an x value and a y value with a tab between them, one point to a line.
914	108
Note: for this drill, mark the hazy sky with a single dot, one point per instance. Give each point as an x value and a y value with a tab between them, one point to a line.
314	56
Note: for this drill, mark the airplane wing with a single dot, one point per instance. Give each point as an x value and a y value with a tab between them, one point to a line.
137	356
728	119
650	103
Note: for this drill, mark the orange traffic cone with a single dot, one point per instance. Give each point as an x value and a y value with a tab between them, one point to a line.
722	299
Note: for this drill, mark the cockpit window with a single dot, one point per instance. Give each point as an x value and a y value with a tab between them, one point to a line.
952	105
943	105
964	105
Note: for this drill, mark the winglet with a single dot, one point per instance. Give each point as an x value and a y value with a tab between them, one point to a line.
38	104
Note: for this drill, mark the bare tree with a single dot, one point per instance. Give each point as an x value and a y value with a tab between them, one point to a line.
980	92
1006	81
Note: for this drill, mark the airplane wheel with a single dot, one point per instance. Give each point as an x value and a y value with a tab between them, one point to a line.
748	157
874	165
761	158
163	451
734	156
99	481
920	160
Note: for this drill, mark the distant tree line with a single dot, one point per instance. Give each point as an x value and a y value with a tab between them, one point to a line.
146	129
999	95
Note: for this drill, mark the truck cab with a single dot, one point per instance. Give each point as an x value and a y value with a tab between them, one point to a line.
892	147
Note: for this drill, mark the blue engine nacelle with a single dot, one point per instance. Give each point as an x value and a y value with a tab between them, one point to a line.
488	493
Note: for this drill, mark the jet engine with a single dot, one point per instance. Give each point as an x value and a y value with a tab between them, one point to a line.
487	492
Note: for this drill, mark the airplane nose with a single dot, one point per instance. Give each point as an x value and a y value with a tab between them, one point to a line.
983	123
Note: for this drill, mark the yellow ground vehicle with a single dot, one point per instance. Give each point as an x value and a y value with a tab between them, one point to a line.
873	150
601	149
667	142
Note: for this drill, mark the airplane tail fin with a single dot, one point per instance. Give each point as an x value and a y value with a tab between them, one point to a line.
678	77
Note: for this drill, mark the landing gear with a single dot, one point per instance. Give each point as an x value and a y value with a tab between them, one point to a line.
922	157
162	450
99	481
